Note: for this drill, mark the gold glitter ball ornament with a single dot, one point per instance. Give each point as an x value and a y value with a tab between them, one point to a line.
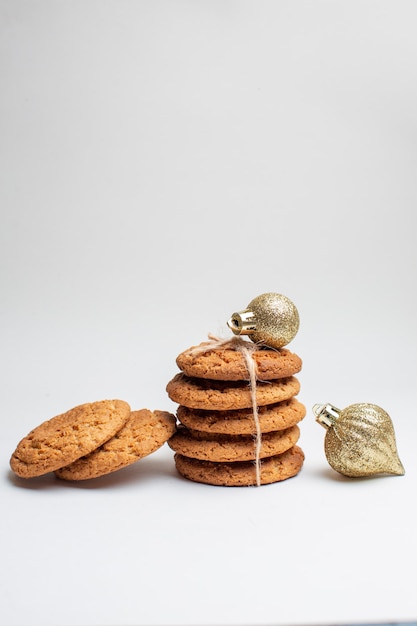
360	440
271	319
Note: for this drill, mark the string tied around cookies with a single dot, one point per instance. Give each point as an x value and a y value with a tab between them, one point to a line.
247	349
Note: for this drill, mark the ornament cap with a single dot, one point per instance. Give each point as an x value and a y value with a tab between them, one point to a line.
326	414
242	323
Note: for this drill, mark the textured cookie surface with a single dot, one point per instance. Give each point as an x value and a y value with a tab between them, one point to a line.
144	432
228	448
66	437
216	395
229	364
241	474
271	417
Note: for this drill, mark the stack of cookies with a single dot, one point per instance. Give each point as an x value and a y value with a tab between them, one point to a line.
91	440
214	442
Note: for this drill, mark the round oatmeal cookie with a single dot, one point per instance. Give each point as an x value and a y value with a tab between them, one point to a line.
241	474
228	448
240	422
144	432
66	437
229	364
217	395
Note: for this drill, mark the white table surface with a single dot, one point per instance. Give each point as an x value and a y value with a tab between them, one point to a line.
162	163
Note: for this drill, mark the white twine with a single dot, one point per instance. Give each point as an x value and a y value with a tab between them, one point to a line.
247	349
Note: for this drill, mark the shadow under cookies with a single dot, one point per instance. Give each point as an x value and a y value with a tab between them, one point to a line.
144	471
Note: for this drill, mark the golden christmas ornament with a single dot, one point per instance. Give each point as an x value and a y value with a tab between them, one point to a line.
360	440
271	319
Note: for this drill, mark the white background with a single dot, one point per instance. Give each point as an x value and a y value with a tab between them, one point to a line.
162	163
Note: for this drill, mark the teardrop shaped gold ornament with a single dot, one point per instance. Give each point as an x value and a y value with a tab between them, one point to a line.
360	440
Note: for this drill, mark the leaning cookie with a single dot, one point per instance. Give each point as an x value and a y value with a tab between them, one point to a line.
216	395
241	474
66	437
144	432
228	364
228	448
240	422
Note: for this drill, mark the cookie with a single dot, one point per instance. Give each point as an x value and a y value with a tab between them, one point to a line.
216	395
144	432
229	364
228	448
66	437
241	474
271	417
